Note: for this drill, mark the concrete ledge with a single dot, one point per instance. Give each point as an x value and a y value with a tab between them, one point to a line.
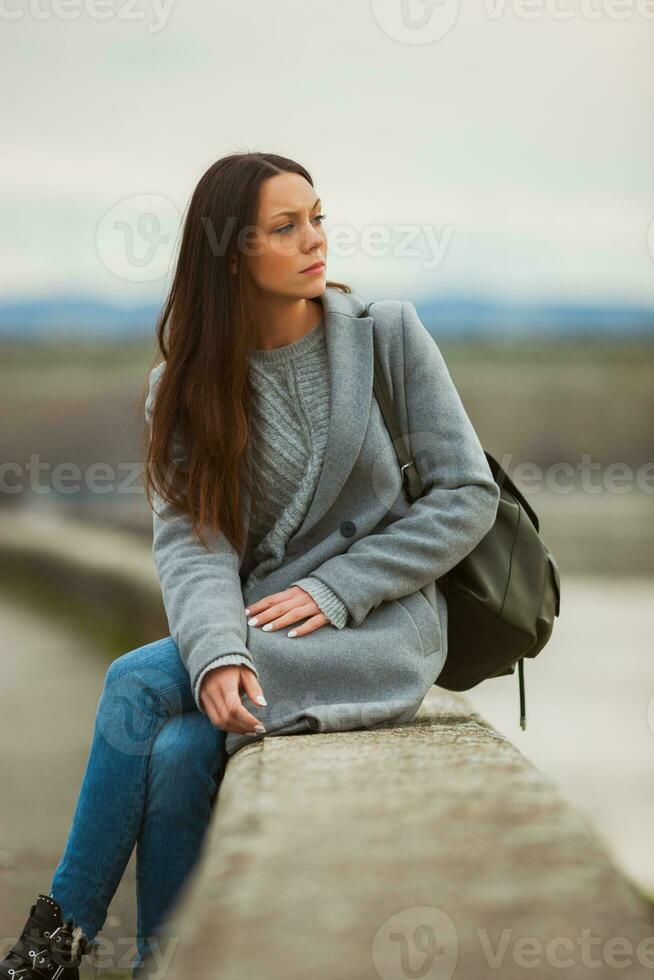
425	847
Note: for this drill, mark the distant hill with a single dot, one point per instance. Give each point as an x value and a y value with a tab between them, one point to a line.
458	316
75	316
455	316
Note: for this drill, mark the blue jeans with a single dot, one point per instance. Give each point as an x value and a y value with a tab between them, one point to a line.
151	779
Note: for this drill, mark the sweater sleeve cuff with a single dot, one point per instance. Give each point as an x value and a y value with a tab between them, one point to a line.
229	659
326	599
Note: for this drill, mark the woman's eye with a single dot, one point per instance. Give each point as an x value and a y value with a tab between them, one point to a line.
284	228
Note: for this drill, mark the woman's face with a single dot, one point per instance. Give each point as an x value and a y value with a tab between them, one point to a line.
287	239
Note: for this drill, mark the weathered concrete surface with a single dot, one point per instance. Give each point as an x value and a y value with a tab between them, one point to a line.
415	850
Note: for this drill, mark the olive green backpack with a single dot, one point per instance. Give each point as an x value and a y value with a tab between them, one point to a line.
502	598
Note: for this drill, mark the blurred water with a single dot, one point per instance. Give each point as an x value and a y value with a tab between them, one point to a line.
590	711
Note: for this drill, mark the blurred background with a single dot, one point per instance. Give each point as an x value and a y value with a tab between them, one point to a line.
494	164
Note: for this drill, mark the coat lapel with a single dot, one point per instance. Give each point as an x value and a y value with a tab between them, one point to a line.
349	341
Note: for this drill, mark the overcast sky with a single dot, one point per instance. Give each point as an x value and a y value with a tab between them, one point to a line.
519	152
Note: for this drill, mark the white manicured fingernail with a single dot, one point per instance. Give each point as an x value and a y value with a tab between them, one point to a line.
261	699
292	633
253	621
267	627
247	612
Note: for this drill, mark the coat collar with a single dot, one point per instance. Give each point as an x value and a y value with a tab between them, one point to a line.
349	342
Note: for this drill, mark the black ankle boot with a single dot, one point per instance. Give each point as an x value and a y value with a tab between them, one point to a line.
47	946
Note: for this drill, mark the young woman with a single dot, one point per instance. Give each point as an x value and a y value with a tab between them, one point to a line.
293	570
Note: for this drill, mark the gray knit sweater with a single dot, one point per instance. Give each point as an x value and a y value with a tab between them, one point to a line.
290	416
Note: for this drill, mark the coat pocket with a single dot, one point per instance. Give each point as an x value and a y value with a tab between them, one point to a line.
425	619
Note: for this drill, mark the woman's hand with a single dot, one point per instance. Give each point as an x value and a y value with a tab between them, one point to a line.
220	698
273	612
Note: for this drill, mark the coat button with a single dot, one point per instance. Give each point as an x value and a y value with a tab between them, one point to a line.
348	528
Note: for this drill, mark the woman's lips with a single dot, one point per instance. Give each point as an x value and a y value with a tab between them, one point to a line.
318	267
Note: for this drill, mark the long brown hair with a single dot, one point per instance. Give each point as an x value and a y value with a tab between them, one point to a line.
204	334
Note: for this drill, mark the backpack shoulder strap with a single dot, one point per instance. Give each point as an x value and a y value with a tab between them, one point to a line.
410	477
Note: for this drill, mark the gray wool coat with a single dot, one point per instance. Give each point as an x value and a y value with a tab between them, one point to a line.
360	536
